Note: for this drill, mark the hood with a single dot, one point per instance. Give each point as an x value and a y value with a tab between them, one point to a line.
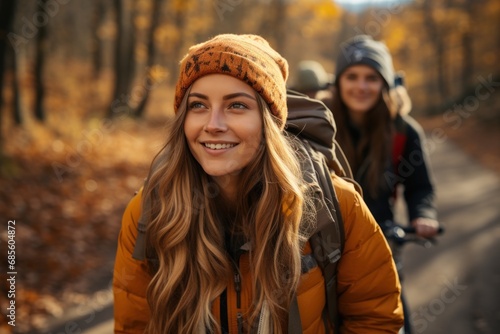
311	119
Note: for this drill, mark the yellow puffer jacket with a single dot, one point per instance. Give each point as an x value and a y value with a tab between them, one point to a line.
368	286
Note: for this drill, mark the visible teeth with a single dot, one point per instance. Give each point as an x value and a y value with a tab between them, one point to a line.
218	146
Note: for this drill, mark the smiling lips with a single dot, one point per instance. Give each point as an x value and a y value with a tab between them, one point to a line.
218	146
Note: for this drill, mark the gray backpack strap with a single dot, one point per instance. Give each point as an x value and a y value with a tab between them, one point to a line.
140	247
328	240
335	234
140	242
294	322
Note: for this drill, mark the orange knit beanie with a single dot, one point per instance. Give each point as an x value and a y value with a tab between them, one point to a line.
249	58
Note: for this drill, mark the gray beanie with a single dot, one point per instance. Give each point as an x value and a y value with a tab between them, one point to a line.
363	49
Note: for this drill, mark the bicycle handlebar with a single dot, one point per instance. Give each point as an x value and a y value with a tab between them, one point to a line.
413	230
402	234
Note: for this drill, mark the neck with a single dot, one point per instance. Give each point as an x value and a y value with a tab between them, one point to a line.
227	188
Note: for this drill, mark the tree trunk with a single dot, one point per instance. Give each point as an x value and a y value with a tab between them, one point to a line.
437	38
124	59
155	19
7	10
279	20
180	24
97	49
272	25
8	62
17	110
468	60
41	41
467	46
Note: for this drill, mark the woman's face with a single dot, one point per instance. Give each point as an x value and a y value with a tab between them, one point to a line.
360	89
223	125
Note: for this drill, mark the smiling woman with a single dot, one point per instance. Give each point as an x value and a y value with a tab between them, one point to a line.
223	128
217	241
379	137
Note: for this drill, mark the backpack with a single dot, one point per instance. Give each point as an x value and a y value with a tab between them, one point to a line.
313	125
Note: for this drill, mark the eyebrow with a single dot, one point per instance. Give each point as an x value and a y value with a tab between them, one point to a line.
225	97
232	96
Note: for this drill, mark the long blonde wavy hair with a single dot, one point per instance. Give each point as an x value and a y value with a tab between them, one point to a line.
186	232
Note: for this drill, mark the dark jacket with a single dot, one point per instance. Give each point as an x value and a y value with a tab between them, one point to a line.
411	171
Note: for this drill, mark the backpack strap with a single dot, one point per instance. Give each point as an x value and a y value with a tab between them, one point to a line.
140	248
294	322
140	242
328	240
398	146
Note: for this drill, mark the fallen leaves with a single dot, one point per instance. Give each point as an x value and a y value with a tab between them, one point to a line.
67	224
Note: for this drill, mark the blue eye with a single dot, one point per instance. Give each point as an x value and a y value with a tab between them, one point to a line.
195	105
237	105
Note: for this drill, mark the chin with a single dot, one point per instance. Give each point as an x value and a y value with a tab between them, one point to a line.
220	172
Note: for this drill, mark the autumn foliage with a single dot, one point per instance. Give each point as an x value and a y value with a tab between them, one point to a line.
87	87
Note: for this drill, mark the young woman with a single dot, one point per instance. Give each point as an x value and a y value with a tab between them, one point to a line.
383	145
372	121
229	215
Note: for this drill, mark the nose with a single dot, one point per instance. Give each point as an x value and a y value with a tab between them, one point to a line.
362	84
216	121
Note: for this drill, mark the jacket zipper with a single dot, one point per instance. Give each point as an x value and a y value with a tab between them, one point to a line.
237	287
239	317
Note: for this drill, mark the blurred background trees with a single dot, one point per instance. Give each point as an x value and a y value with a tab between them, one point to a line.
85	87
442	45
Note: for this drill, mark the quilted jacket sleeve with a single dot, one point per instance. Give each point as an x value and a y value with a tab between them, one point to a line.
368	285
130	277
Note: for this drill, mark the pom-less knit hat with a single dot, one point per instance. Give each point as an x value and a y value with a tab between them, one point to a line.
249	58
362	49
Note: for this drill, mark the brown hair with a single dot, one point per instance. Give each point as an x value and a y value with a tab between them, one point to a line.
375	142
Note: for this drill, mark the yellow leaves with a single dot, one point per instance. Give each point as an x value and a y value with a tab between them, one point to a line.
165	36
142	22
157	74
396	38
316	17
320	9
182	5
327	10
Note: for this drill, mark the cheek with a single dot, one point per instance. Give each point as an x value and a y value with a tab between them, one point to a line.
376	88
250	130
344	93
191	127
253	140
346	86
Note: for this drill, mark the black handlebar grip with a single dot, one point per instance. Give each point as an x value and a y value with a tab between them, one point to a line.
412	230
